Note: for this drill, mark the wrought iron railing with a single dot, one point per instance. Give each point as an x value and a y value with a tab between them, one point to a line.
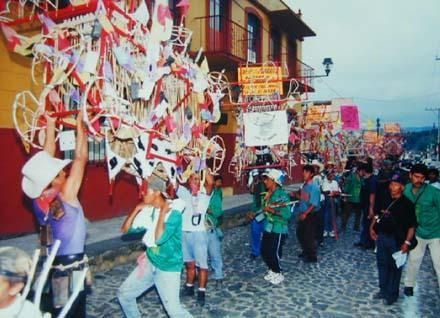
224	36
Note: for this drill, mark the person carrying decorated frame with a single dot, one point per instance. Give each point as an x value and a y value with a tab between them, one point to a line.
55	201
195	238
277	214
162	263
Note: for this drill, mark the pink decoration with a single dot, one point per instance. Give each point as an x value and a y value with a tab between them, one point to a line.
163	12
184	7
350	117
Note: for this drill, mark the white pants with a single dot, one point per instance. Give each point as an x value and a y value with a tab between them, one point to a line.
415	260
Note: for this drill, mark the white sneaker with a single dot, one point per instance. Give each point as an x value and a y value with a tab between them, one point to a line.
332	234
277	278
269	275
325	234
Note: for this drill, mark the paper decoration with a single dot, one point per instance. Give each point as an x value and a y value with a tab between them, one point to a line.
350	118
141	14
67	140
90	62
266	128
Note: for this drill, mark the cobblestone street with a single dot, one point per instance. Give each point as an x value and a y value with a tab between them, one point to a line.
340	285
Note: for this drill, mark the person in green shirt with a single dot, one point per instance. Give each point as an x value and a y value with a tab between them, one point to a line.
426	199
215	235
277	214
162	264
352	188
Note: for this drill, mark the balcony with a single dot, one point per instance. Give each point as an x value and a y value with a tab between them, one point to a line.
223	40
293	67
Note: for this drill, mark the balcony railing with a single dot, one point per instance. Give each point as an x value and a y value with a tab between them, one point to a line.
220	35
293	67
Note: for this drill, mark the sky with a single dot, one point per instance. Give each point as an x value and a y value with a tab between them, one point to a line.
384	54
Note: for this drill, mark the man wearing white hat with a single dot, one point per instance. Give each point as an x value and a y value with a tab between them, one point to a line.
58	210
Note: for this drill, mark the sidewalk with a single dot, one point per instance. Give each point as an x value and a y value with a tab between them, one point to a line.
105	241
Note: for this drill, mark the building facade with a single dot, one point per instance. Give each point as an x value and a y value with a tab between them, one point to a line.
232	32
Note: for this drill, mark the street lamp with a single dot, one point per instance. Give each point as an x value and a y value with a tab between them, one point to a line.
328	64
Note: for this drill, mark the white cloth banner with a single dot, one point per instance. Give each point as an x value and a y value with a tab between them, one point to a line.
265	129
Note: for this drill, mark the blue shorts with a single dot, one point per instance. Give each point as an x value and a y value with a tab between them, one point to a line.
195	248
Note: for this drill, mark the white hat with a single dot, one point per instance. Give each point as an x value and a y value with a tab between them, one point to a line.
275	175
317	163
39	171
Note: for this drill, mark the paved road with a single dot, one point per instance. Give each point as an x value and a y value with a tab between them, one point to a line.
340	285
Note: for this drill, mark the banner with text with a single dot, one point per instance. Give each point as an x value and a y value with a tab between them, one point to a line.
261	80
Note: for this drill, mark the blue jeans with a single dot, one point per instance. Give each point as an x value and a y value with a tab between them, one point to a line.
215	254
257	229
389	274
329	214
167	285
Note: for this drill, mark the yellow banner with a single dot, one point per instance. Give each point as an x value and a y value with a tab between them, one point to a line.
393	128
261	80
370	137
321	114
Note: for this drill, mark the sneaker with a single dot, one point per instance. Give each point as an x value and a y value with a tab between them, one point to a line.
269	275
201	298
332	234
188	290
408	291
325	234
277	278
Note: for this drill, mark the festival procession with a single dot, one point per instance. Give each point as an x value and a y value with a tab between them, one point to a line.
169	158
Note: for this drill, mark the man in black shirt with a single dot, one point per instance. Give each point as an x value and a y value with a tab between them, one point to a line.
393	229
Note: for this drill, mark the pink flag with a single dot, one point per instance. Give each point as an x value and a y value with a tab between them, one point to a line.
350	117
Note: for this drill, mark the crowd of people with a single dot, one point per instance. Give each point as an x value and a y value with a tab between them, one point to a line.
395	212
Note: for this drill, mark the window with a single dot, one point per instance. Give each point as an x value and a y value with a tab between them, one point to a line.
254	33
275	45
292	59
217	13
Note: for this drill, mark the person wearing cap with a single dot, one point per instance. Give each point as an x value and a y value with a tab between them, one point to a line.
215	235
393	229
15	266
277	214
195	238
56	206
162	263
426	199
309	206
